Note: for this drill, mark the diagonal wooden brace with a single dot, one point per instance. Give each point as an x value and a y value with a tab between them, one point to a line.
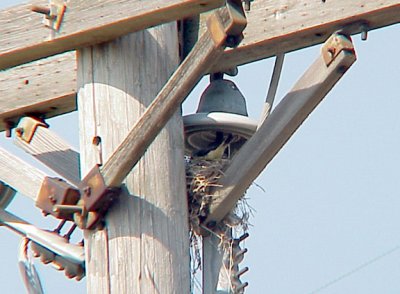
280	125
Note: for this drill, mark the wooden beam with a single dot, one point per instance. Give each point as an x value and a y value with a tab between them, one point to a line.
144	247
276	130
272	28
50	149
288	25
24	38
46	87
23	177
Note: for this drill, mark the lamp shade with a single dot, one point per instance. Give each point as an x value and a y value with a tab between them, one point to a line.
222	108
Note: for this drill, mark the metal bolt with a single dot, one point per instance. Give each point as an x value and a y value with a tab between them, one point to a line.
364	32
87	191
52	199
68	208
96	140
8	125
19	131
247	5
41	10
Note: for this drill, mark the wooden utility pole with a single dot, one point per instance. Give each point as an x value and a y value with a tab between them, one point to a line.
144	247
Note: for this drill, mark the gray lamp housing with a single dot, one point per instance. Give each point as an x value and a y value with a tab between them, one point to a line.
222	108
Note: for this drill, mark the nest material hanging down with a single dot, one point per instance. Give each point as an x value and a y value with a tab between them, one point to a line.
201	176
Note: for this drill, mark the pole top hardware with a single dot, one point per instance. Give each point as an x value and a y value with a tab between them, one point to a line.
27	128
53	15
228	24
335	44
85	205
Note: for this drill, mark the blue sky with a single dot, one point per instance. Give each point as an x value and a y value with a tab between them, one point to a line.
331	202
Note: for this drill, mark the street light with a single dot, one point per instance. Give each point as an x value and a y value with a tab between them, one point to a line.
222	109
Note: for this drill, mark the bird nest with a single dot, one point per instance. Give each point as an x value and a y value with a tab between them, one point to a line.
201	176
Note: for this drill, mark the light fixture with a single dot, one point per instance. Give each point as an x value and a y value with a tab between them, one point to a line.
222	109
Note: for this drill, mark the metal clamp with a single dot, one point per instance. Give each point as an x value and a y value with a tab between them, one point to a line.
227	25
85	206
53	15
27	128
336	43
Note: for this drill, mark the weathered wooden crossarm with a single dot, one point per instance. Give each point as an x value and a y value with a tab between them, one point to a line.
20	175
273	27
45	87
279	126
34	137
55	248
24	38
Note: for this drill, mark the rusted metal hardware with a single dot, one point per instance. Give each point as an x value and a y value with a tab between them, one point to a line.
336	43
9	125
96	198
227	25
53	15
85	206
27	127
56	193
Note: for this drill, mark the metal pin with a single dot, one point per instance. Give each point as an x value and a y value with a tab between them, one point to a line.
67	208
247	4
67	236
364	32
59	227
8	125
41	10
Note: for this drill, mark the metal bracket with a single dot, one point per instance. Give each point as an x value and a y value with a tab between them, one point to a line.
96	199
53	15
54	194
85	206
27	128
335	44
226	26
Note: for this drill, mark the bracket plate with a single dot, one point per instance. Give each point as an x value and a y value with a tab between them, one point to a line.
27	128
335	44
